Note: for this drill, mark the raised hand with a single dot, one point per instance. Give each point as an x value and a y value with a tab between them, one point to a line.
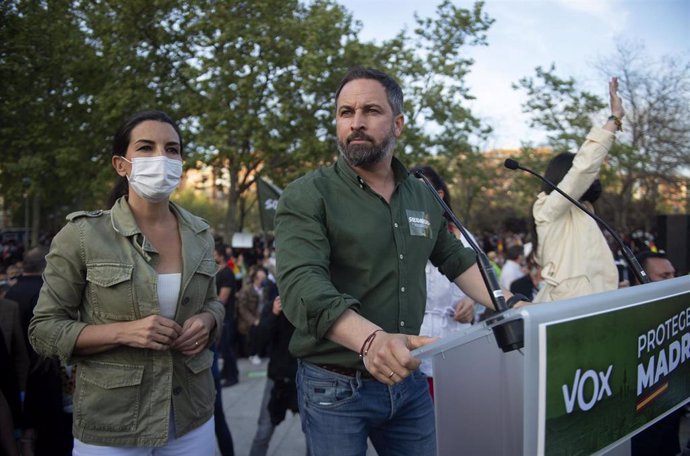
614	100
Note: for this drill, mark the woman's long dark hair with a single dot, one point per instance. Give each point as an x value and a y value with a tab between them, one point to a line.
437	182
556	170
121	142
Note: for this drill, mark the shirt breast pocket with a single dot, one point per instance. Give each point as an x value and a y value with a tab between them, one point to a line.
109	290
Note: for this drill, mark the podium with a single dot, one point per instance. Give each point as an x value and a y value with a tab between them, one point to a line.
593	372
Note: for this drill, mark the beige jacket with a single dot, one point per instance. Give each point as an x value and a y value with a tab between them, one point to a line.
575	257
101	269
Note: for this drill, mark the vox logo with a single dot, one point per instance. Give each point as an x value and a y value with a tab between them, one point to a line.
586	397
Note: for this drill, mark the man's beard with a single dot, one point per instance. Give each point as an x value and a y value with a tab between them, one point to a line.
365	155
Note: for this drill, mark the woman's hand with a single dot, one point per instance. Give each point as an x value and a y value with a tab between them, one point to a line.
154	332
464	310
614	123
614	100
195	334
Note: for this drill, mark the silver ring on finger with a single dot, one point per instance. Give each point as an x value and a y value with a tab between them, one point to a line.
391	375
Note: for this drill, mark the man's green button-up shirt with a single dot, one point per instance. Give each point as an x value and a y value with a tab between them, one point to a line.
340	245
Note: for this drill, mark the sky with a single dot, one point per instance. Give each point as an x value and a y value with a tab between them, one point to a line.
572	34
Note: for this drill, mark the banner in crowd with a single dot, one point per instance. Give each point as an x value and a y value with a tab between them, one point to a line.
268	202
607	375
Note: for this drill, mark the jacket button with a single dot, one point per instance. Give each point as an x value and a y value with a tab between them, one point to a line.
185	301
177	390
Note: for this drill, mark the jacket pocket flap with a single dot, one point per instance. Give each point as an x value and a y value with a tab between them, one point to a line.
109	376
207	267
200	362
108	274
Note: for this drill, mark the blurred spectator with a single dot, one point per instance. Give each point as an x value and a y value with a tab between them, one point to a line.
48	408
10	404
512	268
656	265
529	284
12	273
15	343
223	435
256	292
12	252
226	285
493	259
660	439
280	392
25	291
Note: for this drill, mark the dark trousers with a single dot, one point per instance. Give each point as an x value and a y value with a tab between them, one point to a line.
227	340
222	431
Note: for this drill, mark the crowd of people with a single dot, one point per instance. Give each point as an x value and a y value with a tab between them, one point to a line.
120	339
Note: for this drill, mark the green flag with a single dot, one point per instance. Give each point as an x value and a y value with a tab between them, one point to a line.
268	202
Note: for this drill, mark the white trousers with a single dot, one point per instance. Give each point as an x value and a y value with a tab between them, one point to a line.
199	442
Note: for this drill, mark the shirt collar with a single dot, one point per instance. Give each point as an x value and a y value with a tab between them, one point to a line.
124	223
400	172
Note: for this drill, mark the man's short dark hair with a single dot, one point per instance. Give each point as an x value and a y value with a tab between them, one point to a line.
642	257
393	90
220	249
514	252
34	260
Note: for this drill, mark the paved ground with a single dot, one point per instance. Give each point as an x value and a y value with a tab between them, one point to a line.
241	403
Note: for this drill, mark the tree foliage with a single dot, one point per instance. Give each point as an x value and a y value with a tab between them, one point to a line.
559	107
432	66
654	147
262	80
47	132
654	154
72	71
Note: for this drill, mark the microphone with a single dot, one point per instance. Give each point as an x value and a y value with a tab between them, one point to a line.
511	164
640	275
510	335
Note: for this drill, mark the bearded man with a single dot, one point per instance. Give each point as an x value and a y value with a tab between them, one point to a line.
353	240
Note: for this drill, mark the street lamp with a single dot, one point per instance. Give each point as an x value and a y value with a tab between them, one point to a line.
26	183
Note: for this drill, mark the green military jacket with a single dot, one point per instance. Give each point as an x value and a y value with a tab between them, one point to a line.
100	270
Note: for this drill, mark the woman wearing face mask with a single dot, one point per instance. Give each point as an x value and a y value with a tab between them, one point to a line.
571	249
129	299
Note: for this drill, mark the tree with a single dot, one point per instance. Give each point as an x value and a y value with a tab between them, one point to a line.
251	83
142	53
72	71
557	106
432	66
263	81
654	146
656	137
46	129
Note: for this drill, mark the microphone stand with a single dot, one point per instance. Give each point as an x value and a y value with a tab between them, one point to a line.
510	335
639	273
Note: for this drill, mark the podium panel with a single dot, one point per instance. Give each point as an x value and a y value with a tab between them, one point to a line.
594	371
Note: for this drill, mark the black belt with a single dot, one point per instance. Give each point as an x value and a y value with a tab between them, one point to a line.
347	371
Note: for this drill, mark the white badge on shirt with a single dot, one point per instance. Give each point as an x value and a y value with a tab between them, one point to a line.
419	223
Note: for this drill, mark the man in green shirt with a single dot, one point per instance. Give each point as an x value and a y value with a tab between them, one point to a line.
352	242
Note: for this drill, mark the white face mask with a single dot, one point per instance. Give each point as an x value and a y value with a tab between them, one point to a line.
154	178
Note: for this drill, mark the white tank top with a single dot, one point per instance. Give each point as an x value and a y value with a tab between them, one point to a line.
168	292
